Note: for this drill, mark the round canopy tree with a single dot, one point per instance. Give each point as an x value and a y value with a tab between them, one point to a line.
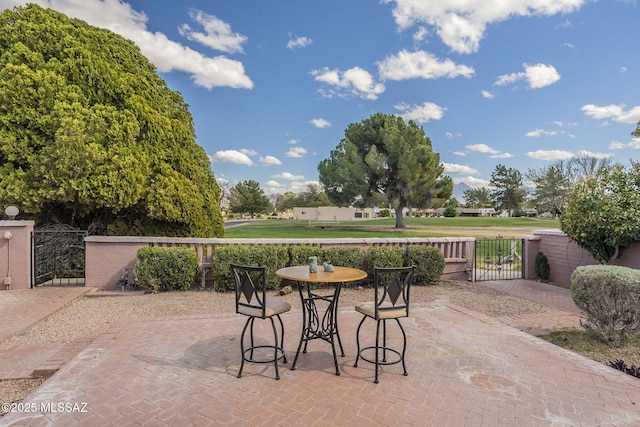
92	137
603	213
383	155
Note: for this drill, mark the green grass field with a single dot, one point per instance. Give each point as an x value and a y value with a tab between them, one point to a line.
415	227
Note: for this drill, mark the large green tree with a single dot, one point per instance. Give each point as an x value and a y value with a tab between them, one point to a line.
477	197
603	212
552	186
248	197
92	137
382	155
312	197
507	183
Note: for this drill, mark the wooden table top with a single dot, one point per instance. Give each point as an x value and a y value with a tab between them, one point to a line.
301	273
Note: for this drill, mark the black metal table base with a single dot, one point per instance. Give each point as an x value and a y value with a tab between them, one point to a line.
313	327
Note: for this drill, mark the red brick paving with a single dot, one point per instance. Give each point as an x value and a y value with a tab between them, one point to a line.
465	369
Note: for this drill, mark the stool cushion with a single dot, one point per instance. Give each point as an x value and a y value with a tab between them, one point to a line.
273	307
369	309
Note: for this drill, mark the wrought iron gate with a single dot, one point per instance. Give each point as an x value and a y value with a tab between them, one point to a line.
58	258
498	259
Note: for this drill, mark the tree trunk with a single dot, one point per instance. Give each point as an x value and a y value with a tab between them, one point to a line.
399	217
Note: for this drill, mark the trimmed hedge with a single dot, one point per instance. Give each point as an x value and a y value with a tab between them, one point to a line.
299	255
344	257
274	257
385	256
161	269
429	263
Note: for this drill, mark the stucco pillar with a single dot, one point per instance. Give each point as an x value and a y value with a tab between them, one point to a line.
15	254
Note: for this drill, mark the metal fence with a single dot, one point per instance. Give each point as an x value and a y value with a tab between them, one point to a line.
498	259
58	258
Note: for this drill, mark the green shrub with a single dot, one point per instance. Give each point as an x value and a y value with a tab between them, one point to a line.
384	256
541	266
299	255
161	269
429	262
601	213
609	296
273	256
450	212
344	257
220	260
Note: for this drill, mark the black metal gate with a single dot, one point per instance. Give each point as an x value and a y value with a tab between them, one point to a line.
498	259
58	258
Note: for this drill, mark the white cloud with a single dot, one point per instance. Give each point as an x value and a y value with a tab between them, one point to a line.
420	64
320	123
288	176
460	153
298	42
617	145
293	141
482	148
487	94
454	169
248	152
167	55
461	24
231	156
421	34
218	34
421	113
537	75
538	132
586	153
270	161
541	75
612	111
550	154
501	156
296	152
354	81
472	181
485	149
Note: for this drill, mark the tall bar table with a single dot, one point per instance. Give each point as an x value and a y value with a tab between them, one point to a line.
313	326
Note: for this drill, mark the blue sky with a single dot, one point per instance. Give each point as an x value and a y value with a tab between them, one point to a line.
273	84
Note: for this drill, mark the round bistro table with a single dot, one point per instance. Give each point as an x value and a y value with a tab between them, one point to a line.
313	326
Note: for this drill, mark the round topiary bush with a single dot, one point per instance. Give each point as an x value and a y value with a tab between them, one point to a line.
609	295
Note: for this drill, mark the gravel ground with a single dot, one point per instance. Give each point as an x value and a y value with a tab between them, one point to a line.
91	315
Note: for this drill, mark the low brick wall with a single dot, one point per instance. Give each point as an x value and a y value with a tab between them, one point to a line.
107	256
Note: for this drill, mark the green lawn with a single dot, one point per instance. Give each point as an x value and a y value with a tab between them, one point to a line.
415	227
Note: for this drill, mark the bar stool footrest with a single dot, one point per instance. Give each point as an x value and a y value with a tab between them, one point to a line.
381	350
251	359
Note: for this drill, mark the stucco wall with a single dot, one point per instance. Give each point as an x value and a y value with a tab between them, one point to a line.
564	255
15	254
107	257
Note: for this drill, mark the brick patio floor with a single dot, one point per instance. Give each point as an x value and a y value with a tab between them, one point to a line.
465	369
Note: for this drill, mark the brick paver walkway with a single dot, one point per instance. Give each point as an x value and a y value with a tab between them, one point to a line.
465	369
